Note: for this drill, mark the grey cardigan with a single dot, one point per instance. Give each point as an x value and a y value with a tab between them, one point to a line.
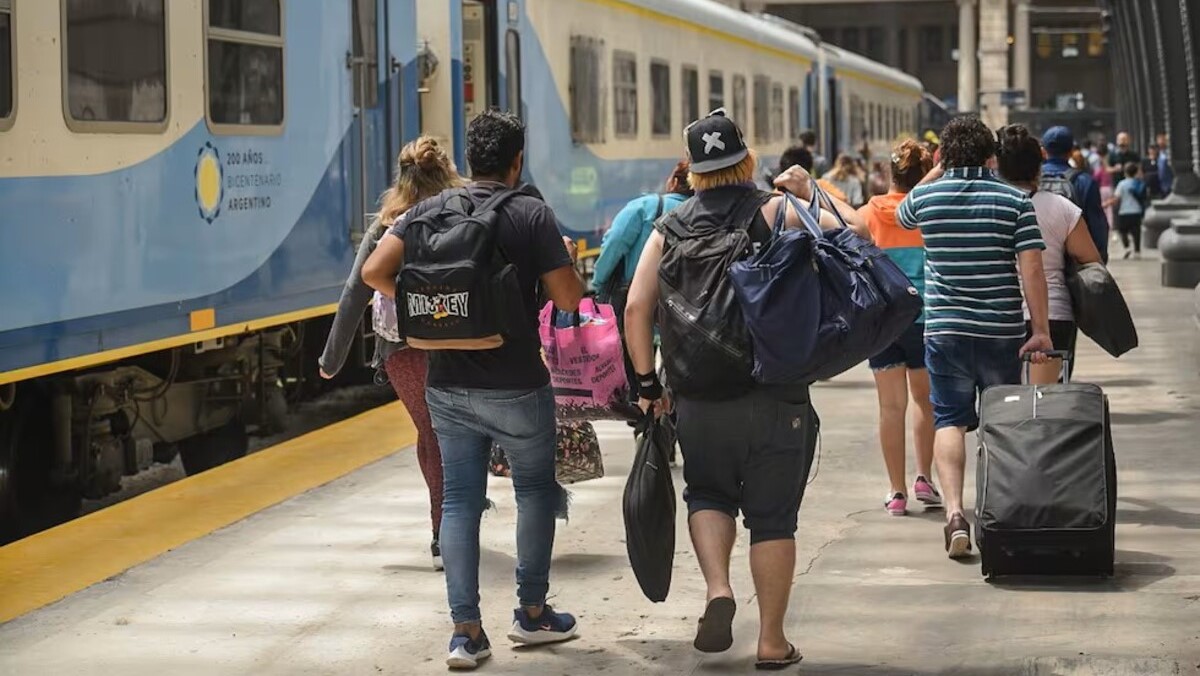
356	296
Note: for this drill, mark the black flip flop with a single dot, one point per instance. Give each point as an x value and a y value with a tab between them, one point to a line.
793	657
715	633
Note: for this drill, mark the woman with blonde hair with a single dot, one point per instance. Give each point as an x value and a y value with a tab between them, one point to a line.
422	171
845	176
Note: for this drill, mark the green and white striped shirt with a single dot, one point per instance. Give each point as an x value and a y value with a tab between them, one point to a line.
974	225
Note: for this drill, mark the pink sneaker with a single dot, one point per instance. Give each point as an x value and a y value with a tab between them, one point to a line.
926	493
896	504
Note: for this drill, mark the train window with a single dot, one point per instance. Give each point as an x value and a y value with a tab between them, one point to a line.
762	112
869	131
625	91
691	94
6	65
512	68
776	112
586	103
115	65
244	61
716	89
739	100
660	98
793	113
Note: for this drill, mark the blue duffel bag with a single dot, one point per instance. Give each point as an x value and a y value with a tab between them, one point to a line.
818	303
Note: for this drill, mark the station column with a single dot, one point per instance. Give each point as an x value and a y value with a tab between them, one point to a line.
968	58
1022	38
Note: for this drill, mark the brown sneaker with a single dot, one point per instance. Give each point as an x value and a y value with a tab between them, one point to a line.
958	536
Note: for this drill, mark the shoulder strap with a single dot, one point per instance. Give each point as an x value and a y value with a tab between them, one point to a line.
746	211
658	212
496	200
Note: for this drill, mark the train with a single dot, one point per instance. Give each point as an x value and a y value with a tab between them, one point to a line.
183	185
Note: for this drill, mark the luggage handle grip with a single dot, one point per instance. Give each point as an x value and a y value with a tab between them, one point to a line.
1064	355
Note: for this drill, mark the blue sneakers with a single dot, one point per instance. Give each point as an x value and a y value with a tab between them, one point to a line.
549	627
466	653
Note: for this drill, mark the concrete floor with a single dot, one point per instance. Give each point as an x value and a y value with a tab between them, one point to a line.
337	581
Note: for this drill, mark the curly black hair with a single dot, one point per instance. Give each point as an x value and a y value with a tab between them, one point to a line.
1019	154
494	139
796	155
967	142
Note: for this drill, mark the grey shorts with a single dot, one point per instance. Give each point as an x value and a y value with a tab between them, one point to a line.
751	454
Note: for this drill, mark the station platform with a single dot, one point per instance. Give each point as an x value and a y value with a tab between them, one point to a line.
269	566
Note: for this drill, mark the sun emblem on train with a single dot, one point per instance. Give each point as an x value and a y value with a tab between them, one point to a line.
208	182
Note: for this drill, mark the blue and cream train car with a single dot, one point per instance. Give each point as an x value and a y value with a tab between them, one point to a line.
183	183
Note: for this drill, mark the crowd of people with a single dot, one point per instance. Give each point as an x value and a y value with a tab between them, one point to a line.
982	222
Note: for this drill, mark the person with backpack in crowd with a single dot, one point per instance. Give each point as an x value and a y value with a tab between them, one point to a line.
800	156
622	246
422	170
1130	198
976	230
845	176
1060	178
808	139
746	447
483	392
1064	232
900	368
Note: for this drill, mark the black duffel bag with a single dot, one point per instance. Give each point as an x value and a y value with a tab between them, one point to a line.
1100	309
649	508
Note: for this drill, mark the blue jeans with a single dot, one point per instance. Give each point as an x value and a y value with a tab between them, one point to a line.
467	421
960	367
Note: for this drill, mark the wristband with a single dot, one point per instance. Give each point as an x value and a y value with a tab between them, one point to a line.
649	386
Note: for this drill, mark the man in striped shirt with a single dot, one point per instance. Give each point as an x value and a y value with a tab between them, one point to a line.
978	232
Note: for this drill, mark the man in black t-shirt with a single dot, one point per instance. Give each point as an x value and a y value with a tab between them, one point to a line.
503	396
1122	155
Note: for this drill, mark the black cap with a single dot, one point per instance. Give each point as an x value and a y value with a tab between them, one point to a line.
714	143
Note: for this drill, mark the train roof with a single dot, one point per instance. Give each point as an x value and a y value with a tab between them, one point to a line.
737	23
846	59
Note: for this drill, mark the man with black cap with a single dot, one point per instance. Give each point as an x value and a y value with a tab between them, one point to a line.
747	447
1085	192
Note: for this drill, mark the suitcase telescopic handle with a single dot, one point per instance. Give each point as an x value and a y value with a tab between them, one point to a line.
1064	355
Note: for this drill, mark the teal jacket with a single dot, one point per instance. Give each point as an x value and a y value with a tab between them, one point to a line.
624	241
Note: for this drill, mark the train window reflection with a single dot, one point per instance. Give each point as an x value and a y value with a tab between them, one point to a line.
115	65
739	99
762	113
6	63
625	94
716	89
660	98
793	113
586	108
245	66
691	95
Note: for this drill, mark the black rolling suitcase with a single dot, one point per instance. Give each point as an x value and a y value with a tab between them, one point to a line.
1046	476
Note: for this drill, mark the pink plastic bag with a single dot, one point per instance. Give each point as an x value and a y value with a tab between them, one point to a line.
587	372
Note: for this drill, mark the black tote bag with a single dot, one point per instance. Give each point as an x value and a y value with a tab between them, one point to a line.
649	509
1100	310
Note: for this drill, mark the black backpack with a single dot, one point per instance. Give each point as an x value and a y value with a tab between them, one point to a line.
1062	184
457	290
705	345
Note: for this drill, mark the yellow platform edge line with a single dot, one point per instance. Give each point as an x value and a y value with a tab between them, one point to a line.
56	563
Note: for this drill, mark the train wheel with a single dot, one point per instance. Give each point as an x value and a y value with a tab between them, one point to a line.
29	499
205	451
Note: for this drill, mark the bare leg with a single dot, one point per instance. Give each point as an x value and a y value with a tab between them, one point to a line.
773	565
893	399
949	448
713	534
922	421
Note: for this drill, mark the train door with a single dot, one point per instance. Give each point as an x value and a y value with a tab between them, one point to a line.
375	130
832	139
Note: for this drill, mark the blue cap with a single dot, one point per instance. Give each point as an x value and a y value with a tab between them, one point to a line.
1058	141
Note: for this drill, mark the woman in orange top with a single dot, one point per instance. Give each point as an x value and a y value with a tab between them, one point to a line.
900	368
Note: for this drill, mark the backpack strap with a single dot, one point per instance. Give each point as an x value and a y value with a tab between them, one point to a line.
746	214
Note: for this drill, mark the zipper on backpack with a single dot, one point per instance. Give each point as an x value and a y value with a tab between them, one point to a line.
733	352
